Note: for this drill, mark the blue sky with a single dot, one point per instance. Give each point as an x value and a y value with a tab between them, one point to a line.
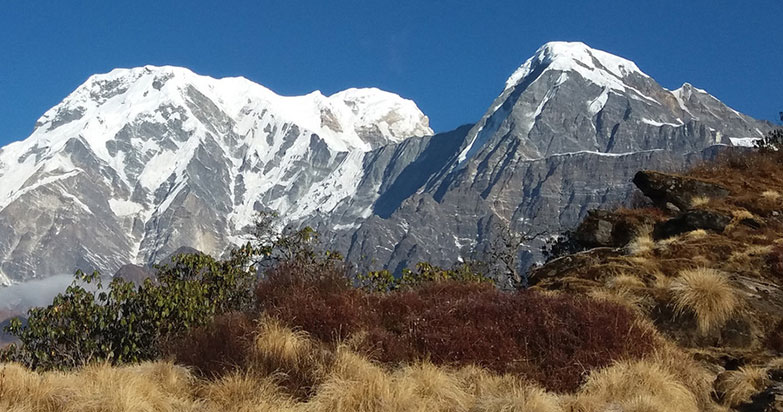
451	57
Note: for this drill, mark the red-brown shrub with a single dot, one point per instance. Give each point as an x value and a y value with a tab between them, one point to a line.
218	348
775	261
555	340
319	300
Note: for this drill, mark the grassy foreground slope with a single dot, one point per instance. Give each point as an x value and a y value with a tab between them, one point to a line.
279	360
671	306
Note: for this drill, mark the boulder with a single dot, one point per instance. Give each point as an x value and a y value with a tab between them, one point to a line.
602	228
668	189
689	221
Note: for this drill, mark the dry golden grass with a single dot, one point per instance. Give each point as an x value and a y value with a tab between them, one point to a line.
149	387
297	361
625	281
770	194
528	399
351	383
276	342
622	296
356	384
641	385
627	290
480	383
27	391
706	293
696	234
244	392
738	215
699	201
642	243
738	386
438	387
775	363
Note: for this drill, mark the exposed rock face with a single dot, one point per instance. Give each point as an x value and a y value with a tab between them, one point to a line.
602	228
689	221
566	135
664	188
136	163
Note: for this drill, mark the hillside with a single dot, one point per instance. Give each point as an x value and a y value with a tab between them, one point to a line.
671	304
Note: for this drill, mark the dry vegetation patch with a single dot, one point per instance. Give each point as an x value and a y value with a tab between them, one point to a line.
554	340
737	386
706	293
638	385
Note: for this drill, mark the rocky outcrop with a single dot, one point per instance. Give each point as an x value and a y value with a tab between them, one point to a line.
679	191
604	228
689	221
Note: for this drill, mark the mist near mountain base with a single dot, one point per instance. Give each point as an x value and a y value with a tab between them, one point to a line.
37	292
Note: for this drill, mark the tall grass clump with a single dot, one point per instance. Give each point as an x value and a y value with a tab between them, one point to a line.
707	294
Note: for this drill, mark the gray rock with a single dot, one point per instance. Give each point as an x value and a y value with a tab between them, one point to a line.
664	188
689	221
557	142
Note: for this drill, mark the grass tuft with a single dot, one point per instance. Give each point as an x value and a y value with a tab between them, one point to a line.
641	385
736	387
706	293
698	201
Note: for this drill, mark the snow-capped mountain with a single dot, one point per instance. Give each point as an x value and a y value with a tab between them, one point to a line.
136	163
570	128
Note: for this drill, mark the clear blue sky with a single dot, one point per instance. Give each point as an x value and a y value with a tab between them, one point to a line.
451	57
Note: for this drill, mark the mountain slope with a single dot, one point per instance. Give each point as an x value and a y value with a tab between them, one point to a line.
567	133
139	162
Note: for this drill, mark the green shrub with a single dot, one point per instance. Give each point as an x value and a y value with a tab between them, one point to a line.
122	323
384	281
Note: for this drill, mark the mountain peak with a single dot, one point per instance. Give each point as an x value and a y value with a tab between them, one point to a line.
600	67
354	118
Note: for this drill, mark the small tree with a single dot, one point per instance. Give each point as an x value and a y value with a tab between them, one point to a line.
503	256
385	281
273	246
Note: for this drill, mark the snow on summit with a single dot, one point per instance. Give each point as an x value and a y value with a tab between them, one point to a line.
160	136
598	66
169	102
124	93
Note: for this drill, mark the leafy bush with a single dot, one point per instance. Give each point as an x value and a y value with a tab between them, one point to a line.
384	281
124	323
321	300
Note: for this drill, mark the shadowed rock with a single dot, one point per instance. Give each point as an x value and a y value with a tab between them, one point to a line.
663	188
690	221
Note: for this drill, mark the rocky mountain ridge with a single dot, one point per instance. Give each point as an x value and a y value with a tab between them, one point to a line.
139	162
